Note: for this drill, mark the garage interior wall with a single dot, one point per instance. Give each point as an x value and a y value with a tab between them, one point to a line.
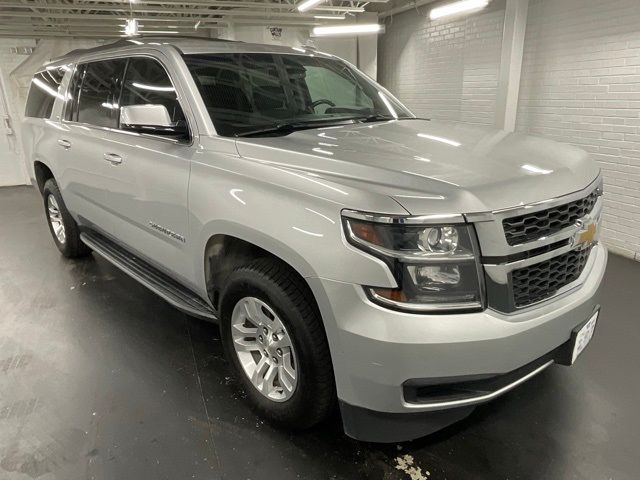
12	169
17	66
445	69
580	84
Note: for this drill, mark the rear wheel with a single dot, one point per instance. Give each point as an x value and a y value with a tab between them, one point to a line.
274	339
64	229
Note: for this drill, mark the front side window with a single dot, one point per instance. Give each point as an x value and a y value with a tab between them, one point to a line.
147	83
45	88
266	94
97	102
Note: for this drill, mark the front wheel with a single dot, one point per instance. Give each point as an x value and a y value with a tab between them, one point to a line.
274	339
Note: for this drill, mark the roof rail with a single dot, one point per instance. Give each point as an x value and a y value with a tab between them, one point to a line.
129	40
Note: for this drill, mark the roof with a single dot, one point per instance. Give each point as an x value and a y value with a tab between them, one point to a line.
186	45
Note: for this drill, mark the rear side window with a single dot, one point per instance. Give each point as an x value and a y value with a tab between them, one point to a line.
147	82
43	92
98	91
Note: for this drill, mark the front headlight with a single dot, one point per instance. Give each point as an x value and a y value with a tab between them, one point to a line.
435	264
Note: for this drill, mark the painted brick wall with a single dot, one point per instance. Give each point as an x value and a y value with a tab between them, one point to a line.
12	170
581	84
12	163
444	69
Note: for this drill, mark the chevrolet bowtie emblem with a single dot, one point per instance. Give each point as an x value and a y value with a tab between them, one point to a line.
587	235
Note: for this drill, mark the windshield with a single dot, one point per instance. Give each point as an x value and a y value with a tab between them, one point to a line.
259	94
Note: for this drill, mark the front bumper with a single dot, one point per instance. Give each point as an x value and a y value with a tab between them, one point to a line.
376	352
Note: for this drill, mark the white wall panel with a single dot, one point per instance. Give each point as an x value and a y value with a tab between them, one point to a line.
445	69
581	84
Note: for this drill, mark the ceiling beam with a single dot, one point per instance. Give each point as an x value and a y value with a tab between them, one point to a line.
138	8
217	13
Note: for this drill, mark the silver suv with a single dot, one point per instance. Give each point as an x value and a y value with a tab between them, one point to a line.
352	253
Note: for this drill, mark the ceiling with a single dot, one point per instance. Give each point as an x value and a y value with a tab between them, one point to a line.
107	18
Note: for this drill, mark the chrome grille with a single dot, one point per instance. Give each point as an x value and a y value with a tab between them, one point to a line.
543	280
533	226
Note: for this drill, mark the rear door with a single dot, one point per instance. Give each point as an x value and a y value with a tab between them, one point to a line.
87	176
150	183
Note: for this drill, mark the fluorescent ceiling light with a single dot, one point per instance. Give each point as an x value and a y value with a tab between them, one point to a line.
360	29
329	17
308	4
457	7
132	27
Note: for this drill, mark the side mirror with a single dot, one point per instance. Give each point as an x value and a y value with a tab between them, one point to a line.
151	119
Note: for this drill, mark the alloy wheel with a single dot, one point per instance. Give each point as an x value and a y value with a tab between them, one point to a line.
264	349
55	218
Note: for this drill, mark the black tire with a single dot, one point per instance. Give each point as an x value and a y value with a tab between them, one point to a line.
72	246
276	284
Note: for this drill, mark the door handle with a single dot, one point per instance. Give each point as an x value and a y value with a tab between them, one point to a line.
114	158
64	143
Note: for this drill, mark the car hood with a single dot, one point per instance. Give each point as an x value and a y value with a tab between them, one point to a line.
432	166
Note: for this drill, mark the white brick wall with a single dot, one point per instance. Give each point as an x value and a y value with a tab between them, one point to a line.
12	171
444	69
581	84
12	167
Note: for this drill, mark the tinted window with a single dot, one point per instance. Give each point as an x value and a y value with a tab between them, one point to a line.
96	99
147	83
43	92
246	92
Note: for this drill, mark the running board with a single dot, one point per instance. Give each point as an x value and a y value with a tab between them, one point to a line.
158	282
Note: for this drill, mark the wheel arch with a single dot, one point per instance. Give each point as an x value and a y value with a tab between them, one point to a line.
42	173
230	247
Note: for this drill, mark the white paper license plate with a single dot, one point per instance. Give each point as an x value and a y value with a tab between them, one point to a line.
584	336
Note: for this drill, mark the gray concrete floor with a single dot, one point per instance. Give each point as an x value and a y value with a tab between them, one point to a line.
100	379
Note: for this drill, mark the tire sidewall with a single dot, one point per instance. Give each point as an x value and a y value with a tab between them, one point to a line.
51	188
245	283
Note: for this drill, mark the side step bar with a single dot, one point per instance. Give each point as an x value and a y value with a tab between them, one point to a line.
158	282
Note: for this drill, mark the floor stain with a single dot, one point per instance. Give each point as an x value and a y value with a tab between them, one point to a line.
407	465
14	362
21	408
63	448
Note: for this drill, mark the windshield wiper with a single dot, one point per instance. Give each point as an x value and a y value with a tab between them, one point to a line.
384	118
288	127
284	128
